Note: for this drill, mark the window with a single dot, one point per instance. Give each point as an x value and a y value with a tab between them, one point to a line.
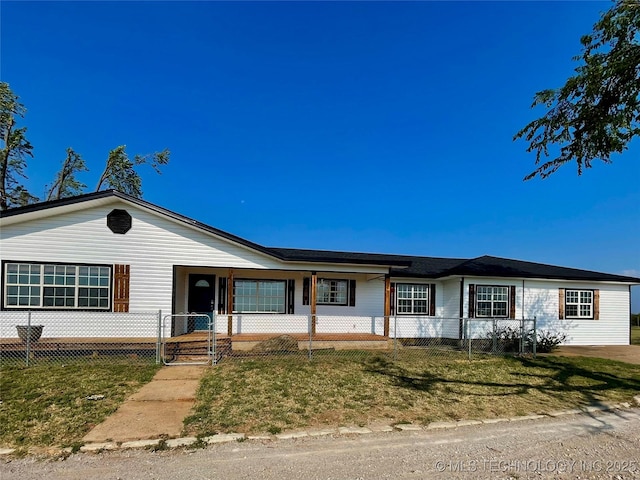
32	285
259	296
412	298
332	292
579	303
492	301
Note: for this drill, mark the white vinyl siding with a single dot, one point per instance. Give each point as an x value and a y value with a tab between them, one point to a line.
539	298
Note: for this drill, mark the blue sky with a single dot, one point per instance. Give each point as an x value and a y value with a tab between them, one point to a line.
376	127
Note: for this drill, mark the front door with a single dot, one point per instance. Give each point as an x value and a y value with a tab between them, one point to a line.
201	299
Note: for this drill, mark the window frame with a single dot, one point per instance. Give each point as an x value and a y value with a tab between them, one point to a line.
413	299
329	302
579	303
492	301
42	285
257	297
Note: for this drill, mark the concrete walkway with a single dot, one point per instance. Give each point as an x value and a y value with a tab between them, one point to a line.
157	409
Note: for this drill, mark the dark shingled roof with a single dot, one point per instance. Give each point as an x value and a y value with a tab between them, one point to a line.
401	265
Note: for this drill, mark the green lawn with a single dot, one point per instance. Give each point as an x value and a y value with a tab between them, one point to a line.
635	335
276	394
47	405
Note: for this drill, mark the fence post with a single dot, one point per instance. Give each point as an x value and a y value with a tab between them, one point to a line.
159	339
395	338
28	337
521	336
310	328
467	328
494	347
535	336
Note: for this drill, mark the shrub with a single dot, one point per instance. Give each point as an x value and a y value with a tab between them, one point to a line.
549	341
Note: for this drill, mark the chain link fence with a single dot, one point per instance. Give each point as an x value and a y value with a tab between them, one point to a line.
28	338
38	336
395	337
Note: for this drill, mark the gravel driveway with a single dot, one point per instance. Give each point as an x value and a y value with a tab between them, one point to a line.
597	446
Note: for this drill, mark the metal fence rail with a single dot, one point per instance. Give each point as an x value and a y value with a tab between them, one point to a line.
28	337
38	336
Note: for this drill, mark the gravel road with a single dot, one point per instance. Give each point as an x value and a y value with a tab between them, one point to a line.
595	446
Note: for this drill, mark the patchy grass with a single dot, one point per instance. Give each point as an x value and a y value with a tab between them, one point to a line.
274	394
46	404
635	335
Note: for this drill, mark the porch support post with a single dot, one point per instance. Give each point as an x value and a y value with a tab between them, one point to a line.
387	303
314	298
230	302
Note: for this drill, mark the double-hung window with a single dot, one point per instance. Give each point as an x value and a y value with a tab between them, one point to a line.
492	301
259	296
57	286
579	304
412	299
332	292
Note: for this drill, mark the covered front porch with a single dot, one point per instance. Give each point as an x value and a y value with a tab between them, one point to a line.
256	301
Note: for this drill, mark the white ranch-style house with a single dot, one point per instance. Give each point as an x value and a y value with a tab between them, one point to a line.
110	252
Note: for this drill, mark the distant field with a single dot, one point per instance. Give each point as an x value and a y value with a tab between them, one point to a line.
635	335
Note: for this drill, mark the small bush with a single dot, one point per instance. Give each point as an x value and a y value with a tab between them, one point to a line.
549	341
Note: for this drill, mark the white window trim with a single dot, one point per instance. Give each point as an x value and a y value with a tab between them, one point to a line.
257	281
413	299
579	303
335	302
76	286
492	301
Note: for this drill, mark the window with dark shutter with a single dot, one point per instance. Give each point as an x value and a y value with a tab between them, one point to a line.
121	279
352	293
306	295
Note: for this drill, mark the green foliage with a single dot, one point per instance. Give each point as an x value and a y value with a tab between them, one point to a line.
597	112
120	174
66	184
549	341
15	149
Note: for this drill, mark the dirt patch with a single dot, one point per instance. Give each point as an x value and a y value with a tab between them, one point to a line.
621	353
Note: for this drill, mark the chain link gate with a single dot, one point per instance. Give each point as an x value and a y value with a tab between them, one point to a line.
195	348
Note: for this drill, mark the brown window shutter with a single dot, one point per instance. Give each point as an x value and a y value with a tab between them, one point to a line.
512	301
291	285
352	293
432	299
472	301
561	303
121	288
596	304
222	294
393	298
306	281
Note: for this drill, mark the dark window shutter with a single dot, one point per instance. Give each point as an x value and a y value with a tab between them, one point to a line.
222	294
596	304
393	299
291	285
121	279
306	281
512	301
561	303
352	293
432	299
472	301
